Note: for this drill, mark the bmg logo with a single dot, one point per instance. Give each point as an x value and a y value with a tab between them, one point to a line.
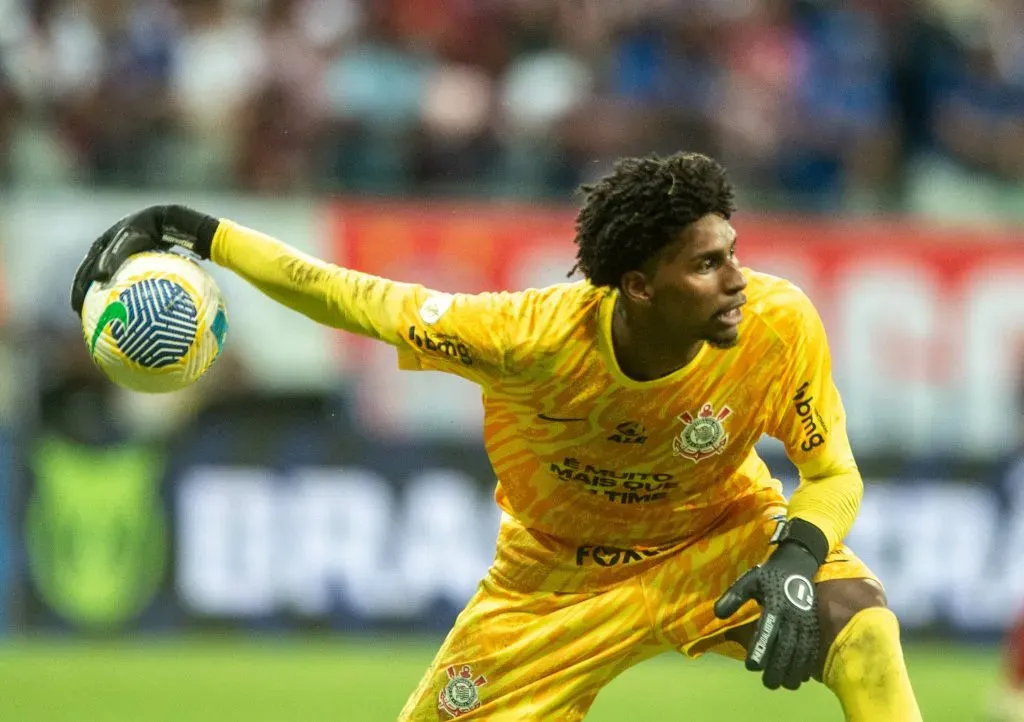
452	348
813	437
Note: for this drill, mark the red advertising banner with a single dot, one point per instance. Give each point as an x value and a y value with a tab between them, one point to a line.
926	322
462	248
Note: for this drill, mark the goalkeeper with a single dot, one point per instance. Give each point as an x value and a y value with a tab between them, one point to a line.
621	414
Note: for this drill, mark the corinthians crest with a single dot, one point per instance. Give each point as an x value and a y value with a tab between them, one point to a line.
459	695
702	436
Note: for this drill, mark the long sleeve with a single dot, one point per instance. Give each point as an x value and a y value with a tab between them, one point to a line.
464	334
810	420
830	502
328	294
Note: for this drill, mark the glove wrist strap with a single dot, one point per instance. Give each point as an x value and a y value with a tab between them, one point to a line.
191	229
204	236
808	536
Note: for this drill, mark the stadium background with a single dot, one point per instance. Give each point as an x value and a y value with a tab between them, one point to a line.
290	539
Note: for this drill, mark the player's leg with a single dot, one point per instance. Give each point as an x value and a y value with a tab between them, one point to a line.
533	656
861	656
1008	705
1015	654
862	659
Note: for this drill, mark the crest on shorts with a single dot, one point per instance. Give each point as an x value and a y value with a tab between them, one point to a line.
703	435
459	694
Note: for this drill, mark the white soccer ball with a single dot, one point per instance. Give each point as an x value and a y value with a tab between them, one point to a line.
157	325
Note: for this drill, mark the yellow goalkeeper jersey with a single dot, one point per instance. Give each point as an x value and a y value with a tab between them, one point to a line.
582	453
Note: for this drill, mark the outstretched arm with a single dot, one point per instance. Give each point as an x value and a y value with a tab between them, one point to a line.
465	334
334	296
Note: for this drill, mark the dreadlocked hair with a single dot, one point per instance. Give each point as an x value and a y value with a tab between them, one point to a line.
641	207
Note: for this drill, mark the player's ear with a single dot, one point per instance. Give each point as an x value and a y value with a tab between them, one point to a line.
635	287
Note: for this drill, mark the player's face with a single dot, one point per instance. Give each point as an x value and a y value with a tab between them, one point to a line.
697	287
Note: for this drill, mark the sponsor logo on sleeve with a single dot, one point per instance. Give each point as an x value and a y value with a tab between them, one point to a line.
448	346
813	427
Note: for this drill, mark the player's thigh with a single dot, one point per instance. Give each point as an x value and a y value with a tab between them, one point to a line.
688	584
544	656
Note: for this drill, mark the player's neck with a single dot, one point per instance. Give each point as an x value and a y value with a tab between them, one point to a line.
642	352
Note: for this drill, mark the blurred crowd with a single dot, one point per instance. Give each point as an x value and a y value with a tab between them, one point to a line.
812	103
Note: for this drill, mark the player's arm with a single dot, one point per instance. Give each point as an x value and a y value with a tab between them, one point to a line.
805	412
464	334
808	417
330	295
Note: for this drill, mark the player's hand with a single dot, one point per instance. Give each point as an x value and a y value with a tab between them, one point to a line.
786	638
157	228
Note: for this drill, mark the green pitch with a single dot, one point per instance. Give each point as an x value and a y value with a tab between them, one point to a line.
206	680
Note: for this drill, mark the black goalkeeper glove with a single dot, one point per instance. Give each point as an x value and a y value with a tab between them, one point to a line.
157	228
786	639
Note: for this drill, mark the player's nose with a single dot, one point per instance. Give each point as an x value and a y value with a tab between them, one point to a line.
733	280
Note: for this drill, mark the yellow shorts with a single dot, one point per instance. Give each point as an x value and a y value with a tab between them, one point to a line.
544	655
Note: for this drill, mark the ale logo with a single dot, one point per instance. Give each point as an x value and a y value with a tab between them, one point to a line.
96	538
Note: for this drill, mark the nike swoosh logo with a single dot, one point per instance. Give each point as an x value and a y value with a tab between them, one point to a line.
545	417
116	311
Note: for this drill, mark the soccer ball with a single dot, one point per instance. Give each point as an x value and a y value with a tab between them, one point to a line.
157	325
